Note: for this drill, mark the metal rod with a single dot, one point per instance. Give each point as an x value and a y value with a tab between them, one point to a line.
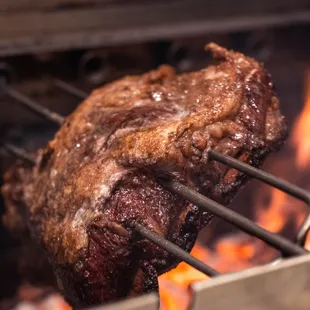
287	247
34	106
303	231
69	89
175	250
282	185
19	152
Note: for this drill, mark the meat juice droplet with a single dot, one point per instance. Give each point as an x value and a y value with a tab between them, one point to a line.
157	96
53	173
238	136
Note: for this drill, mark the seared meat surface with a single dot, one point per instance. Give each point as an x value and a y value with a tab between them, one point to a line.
98	175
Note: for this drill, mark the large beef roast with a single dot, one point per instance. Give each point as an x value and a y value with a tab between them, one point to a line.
98	175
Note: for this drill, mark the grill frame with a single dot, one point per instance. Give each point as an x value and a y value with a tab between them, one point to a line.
112	22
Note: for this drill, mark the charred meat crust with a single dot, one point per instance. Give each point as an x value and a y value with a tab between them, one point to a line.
97	175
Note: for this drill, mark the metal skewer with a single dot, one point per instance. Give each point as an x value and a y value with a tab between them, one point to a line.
303	231
282	185
69	89
18	152
175	250
287	247
33	106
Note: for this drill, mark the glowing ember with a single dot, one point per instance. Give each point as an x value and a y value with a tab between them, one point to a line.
39	298
235	250
173	286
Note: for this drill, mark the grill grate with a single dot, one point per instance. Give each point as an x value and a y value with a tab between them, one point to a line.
285	246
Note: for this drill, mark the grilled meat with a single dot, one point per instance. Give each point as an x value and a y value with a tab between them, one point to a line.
98	175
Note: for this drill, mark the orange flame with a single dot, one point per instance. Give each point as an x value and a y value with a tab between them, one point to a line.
301	131
273	218
174	285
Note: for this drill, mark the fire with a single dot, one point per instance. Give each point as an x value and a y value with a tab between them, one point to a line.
173	286
301	131
273	219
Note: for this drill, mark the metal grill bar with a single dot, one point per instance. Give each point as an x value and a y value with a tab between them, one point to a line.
33	106
69	89
287	247
175	250
18	152
303	231
284	186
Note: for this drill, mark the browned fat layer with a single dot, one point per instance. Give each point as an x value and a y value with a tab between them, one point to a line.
94	188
